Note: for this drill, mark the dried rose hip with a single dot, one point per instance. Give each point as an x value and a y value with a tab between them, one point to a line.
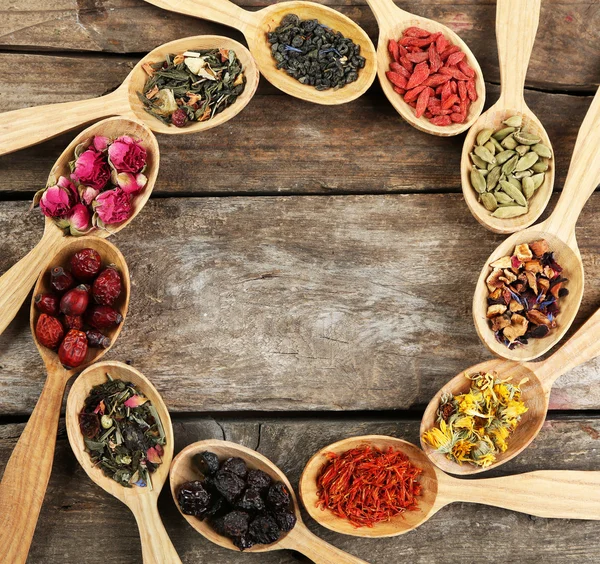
75	301
107	287
61	280
47	303
179	117
49	331
97	339
89	424
103	317
73	349
73	322
85	264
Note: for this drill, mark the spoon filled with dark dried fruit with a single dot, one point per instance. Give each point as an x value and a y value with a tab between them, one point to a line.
78	308
305	49
240	500
530	289
120	431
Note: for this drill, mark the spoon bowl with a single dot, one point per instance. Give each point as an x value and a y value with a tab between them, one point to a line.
156	545
392	22
299	538
255	25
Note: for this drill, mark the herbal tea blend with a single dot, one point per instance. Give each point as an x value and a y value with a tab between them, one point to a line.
474	427
366	485
509	165
122	432
192	86
432	76
314	54
524	290
244	505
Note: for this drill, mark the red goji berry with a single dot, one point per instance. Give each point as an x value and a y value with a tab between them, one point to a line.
418	57
441	120
441	43
455	58
422	102
397	67
406	63
466	69
446	91
396	79
416	32
435	62
436	79
471	90
401	91
448	51
420	74
393	49
462	90
457	118
411	95
450	102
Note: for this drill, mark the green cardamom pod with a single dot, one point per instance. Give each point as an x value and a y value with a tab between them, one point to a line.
538	180
522	150
483	136
541	166
490	147
513	121
509	166
527	161
477	181
520	174
483	171
503	197
514	181
503	156
493	177
514	193
525	138
509	143
489	201
528	187
485	155
477	161
499	148
542	150
502	133
510	211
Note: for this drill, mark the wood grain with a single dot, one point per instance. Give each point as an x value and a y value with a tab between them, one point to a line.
294	303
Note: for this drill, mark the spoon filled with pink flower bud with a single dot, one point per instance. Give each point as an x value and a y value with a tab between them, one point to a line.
79	304
98	185
29	126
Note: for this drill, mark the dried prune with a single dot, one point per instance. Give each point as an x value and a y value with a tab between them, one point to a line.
285	520
229	485
258	480
264	530
243	542
234	524
235	465
193	498
251	501
278	495
207	462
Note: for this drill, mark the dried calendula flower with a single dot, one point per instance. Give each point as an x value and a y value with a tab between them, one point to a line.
474	427
524	290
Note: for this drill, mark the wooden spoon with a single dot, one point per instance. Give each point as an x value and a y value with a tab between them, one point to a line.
29	126
516	27
299	538
28	470
255	25
580	348
392	22
559	231
563	494
16	282
157	547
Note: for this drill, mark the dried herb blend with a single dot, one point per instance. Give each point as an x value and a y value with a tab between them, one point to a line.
314	54
122	432
192	86
366	485
509	165
474	427
432	76
244	505
524	291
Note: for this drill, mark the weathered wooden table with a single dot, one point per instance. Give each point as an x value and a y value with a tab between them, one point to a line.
301	274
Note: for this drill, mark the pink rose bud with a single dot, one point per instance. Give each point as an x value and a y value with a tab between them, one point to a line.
91	169
127	155
113	206
88	194
100	142
58	200
131	183
79	219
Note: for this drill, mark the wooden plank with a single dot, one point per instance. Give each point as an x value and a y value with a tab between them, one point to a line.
277	144
81	523
296	303
564	56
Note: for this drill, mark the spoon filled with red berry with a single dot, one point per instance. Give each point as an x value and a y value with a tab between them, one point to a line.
78	308
115	167
239	499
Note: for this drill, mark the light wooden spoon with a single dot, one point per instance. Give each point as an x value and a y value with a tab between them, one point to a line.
157	547
580	348
29	126
559	231
562	494
299	538
516	27
28	470
392	22
255	25
16	282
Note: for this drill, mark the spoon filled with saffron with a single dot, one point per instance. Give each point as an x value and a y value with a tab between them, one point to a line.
29	126
299	538
536	380
438	43
141	497
28	470
256	25
16	282
557	233
516	27
562	494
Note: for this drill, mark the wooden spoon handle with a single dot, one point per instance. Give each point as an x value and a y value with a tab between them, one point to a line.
29	126
319	551
157	547
27	473
516	28
583	176
387	15
16	282
563	494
